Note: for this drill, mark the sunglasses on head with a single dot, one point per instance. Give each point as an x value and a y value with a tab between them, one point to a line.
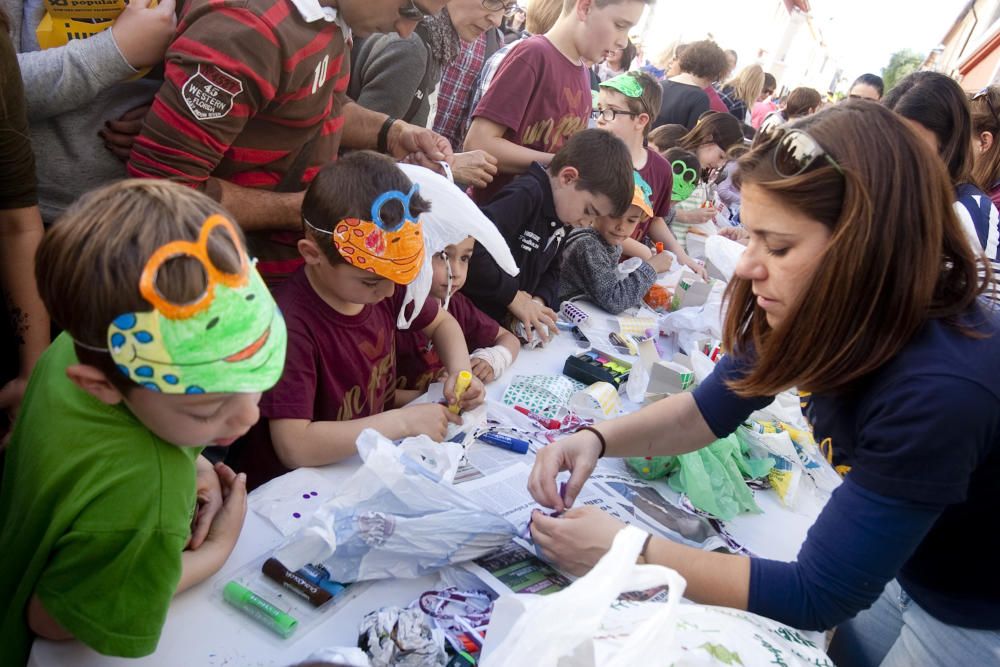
796	152
413	12
985	94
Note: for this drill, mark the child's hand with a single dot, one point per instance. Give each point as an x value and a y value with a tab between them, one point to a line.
473	396
430	419
483	370
143	33
738	234
695	266
228	521
208	504
662	262
696	216
533	315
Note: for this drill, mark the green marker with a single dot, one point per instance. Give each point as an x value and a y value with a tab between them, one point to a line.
258	608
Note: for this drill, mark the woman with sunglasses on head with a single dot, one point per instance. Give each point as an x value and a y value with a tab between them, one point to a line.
859	286
986	141
937	110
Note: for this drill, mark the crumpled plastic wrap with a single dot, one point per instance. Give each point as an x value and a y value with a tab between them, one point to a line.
397	637
393	519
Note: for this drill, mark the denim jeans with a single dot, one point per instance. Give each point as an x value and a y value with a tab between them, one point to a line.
896	632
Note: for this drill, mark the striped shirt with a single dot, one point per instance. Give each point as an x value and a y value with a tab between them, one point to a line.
248	85
981	222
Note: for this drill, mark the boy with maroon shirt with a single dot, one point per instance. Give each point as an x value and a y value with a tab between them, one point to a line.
418	363
362	246
541	94
626	108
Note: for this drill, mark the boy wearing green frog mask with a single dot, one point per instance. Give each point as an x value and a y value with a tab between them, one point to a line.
107	508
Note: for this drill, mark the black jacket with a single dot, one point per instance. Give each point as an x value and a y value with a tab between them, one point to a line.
525	214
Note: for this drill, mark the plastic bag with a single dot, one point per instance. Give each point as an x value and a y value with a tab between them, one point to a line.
393	518
585	626
724	254
559	628
690	325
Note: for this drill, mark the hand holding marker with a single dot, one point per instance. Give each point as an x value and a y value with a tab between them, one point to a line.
462	383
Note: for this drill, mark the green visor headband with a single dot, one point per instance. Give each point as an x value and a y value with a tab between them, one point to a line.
230	339
626	84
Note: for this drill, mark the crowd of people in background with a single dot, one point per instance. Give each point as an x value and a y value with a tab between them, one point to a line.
191	171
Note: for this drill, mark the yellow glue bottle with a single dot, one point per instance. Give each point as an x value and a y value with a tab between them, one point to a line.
461	384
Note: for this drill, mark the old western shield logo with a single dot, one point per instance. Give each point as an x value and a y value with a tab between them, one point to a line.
210	92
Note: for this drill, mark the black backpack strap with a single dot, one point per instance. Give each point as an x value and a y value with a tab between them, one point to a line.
423	90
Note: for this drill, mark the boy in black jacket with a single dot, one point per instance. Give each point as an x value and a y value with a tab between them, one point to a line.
590	176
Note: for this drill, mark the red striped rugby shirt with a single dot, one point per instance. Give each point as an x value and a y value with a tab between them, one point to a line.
247	84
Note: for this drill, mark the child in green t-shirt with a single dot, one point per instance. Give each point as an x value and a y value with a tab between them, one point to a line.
107	508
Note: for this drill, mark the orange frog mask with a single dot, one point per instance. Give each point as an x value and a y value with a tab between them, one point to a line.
395	251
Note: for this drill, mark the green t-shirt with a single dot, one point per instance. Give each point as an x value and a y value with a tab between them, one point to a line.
94	513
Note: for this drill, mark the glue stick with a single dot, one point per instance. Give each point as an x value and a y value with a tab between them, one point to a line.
461	384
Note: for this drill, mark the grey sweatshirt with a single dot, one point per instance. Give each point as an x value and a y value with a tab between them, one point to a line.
70	92
590	269
386	73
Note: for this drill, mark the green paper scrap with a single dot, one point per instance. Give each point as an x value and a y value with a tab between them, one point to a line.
712	477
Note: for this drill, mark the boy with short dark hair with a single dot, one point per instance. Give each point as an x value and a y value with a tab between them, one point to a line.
363	244
626	107
540	96
170	336
590	176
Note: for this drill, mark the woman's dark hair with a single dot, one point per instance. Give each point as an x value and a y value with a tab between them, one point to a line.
986	165
346	189
872	80
714	128
897	254
704	59
628	55
801	102
938	103
770	83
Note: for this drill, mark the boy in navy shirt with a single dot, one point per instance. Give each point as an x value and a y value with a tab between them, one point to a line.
590	176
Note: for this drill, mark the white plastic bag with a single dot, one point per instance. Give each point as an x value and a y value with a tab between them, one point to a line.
559	628
393	518
585	625
724	254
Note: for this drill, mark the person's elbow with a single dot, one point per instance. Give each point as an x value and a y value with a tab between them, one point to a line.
42	624
824	608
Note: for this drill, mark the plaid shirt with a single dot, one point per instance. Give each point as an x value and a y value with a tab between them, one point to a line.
736	106
483	81
454	90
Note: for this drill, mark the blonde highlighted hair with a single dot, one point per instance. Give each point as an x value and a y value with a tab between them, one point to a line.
748	84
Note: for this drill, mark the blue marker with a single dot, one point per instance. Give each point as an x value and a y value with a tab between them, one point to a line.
505	442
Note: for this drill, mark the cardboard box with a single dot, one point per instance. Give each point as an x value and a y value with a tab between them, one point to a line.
691	291
671	377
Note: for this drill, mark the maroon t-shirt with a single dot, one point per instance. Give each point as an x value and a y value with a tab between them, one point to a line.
337	367
540	97
418	363
715	102
660	177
